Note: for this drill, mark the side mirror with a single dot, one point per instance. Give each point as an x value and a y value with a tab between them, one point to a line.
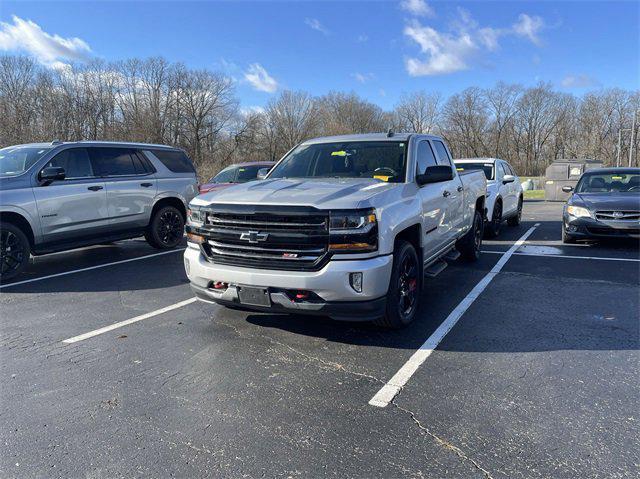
262	173
435	174
508	179
567	189
52	173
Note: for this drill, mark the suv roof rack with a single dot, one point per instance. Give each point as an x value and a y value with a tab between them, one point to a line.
56	142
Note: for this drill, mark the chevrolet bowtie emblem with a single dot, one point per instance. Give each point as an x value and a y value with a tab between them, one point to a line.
254	236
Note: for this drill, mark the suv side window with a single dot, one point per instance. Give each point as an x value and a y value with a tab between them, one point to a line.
175	160
425	158
75	162
443	155
504	169
115	162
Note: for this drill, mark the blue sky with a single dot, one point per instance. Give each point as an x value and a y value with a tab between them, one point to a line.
376	49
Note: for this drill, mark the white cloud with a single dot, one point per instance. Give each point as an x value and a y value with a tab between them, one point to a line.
51	50
528	26
419	8
260	79
446	53
362	77
579	81
252	110
363	38
454	50
315	24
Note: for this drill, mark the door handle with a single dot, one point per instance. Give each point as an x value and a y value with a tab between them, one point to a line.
146	185
460	188
446	193
95	188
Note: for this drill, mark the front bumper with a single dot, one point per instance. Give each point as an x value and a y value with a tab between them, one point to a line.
591	228
335	296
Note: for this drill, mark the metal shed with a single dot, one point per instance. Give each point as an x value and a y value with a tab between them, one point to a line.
565	172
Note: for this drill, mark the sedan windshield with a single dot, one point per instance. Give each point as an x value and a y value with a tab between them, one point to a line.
382	160
609	183
487	168
15	160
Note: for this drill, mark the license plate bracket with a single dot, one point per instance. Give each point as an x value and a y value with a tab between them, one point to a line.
254	296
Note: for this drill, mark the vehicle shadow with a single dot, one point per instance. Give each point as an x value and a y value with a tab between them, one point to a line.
155	272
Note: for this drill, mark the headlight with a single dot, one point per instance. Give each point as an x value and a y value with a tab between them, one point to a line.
578	211
354	231
195	216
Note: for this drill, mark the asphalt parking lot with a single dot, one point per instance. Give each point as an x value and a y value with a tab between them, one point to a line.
538	378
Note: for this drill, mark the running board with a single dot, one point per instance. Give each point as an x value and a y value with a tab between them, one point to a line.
435	268
452	255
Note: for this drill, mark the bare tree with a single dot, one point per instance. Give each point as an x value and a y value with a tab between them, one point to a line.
418	112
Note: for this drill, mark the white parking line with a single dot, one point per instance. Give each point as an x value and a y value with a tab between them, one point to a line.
386	394
8	285
111	327
598	258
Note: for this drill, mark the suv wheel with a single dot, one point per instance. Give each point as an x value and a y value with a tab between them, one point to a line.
166	228
515	220
493	228
15	251
469	244
403	298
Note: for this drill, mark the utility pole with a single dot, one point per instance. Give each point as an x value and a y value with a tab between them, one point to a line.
619	146
633	134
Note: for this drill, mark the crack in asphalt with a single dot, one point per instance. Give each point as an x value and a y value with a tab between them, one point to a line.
328	365
440	441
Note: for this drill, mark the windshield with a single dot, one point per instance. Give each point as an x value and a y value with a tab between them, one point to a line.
237	174
382	160
247	173
487	168
15	160
609	183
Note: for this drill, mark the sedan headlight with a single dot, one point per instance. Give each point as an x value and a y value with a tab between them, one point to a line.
353	231
195	216
578	211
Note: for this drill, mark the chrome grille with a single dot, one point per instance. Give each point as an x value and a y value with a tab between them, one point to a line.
267	238
617	215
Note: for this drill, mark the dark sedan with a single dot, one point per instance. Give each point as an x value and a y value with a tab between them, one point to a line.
238	173
605	203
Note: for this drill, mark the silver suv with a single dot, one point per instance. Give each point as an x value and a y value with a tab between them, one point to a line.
59	196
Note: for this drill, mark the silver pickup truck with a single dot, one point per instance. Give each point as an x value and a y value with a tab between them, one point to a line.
345	227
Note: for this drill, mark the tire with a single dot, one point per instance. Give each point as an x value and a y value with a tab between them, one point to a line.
493	228
166	228
567	238
405	287
469	245
517	219
15	251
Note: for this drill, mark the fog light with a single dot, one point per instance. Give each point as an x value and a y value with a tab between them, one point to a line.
572	228
355	280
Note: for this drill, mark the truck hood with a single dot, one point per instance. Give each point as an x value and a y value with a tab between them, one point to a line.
319	193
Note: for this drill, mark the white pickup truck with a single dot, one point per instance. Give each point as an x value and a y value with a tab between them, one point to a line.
345	227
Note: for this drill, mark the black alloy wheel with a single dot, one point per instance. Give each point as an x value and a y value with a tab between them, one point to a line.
493	229
166	228
408	286
14	251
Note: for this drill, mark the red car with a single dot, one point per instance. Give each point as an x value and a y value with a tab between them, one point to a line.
238	173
